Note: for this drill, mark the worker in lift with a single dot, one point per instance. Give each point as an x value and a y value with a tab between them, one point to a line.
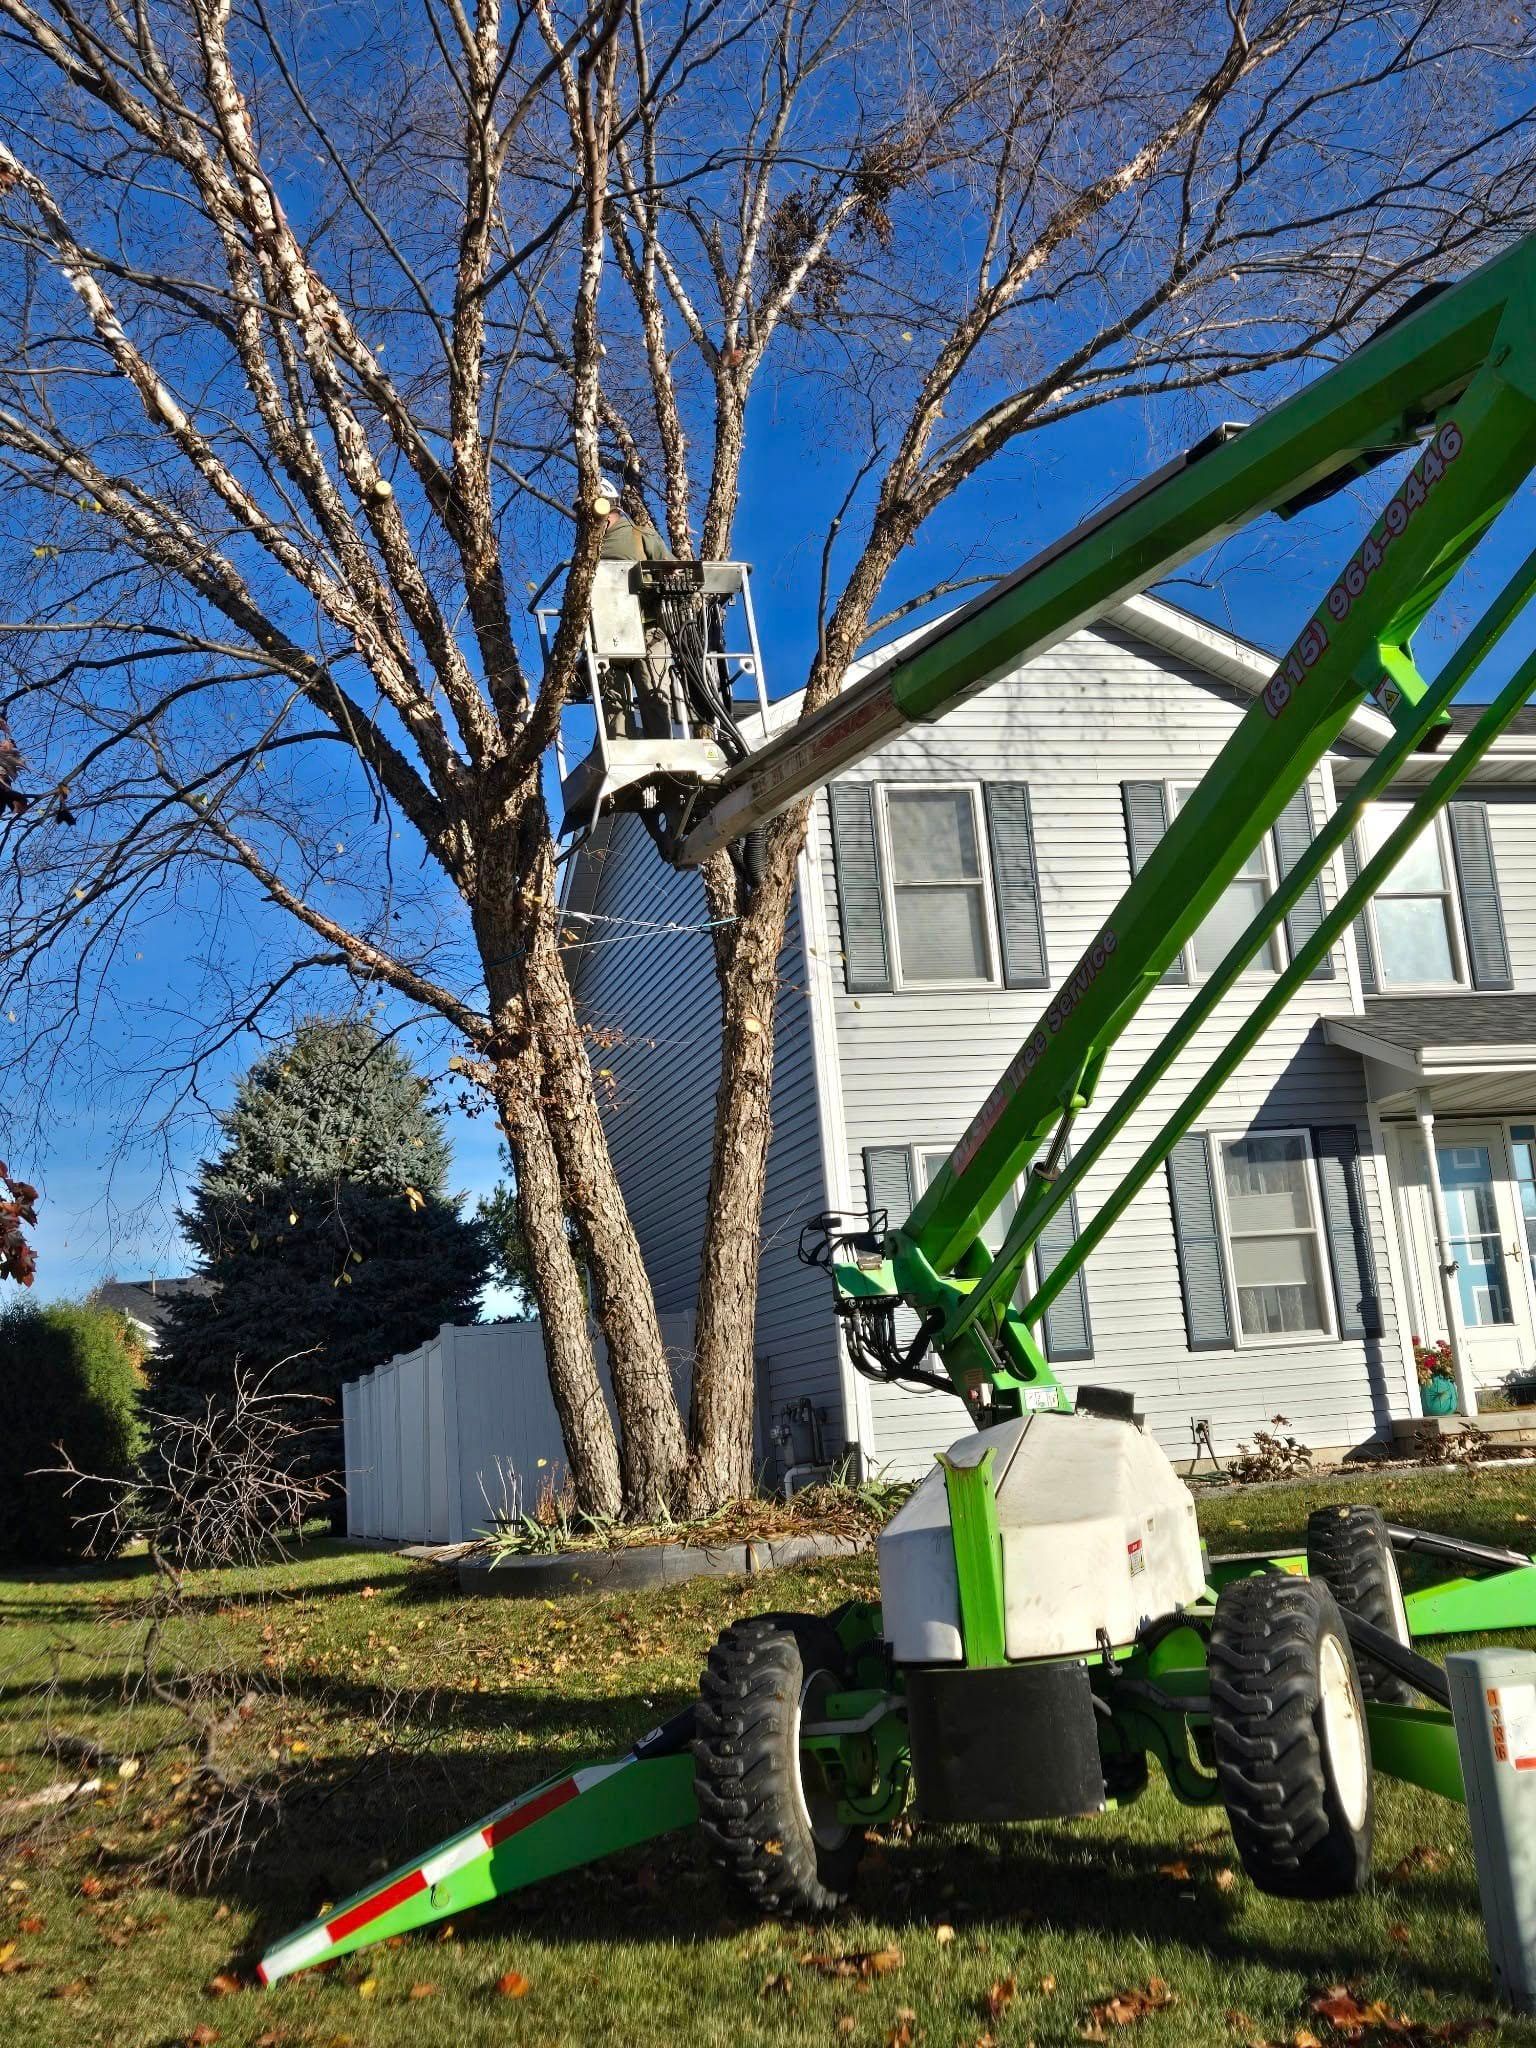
629	539
638	696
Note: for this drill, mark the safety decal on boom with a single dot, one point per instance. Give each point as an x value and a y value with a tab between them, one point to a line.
1367	559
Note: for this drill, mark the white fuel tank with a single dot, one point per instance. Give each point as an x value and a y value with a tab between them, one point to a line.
1098	1532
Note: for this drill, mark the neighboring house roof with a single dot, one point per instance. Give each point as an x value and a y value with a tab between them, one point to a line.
148	1302
1441	1035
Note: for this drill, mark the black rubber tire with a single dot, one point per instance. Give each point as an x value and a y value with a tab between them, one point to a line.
1348	1548
752	1804
1291	1821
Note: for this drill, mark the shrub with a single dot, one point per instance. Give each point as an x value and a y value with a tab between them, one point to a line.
69	1375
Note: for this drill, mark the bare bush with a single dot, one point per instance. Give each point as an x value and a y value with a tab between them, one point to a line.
1271	1455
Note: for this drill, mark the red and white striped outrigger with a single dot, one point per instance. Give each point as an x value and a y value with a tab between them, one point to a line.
602	1808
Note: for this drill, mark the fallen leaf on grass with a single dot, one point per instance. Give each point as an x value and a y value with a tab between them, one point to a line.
1225	1878
222	1983
1124	2008
1425	1857
1047	1985
846	2023
1176	1873
861	1963
513	1984
77	1987
422	1991
997	1998
31	1925
903	2034
368	1988
1400	1934
201	2035
778	1985
944	1935
1353	2021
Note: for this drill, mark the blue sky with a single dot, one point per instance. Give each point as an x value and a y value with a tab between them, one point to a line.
109	1211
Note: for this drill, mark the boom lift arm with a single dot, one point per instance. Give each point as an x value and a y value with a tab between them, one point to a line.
1457	379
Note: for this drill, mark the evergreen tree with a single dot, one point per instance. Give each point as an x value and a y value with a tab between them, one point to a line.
324	1224
511	1263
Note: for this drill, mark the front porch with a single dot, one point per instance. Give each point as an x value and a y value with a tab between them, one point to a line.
1451	1082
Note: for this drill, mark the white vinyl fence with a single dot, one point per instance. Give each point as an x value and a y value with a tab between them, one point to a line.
443	1439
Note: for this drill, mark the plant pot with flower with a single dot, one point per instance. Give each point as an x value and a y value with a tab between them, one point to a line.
1437	1376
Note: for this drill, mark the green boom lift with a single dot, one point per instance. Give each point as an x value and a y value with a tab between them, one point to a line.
1048	1621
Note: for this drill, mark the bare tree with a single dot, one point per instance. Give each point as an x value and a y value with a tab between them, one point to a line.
320	337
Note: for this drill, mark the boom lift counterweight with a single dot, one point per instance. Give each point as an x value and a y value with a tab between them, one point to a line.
1048	1621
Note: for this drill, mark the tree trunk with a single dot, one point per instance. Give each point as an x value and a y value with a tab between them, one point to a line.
585	1423
725	1362
560	1152
653	1448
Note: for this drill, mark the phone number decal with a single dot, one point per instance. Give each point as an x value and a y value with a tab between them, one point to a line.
1352	585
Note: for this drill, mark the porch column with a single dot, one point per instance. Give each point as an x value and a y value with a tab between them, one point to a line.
1450	1294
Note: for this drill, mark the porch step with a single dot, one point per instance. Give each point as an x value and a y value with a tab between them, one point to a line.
1516	1424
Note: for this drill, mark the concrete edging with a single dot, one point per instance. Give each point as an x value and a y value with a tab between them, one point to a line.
656	1564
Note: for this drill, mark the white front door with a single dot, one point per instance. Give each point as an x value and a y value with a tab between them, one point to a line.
1487	1241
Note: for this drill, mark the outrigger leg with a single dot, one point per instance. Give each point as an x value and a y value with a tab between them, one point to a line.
576	1818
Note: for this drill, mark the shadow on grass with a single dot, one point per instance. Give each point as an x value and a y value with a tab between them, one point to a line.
1048	1880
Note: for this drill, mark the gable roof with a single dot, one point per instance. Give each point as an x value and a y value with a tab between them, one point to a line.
147	1302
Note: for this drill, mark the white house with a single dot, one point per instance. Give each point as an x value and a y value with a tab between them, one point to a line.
1289	1254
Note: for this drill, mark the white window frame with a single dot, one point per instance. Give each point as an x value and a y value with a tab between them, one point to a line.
1461	969
1277	938
899	982
1285	1339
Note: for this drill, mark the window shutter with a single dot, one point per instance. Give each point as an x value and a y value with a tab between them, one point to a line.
1016	881
888	1185
888	1182
1293	837
1202	1270
866	953
1366	951
1480	909
1348	1227
1068	1333
1146	820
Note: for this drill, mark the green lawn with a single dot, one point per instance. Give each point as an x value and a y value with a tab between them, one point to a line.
648	1949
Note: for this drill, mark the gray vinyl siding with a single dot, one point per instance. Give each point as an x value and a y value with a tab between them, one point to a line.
1512	830
657	992
1099	710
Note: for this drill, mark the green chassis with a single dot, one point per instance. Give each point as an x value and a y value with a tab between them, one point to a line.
860	1747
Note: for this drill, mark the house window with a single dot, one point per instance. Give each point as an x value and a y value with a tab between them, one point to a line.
1240	903
1274	1240
940	909
1414	914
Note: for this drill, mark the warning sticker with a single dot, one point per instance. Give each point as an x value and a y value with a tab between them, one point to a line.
1512	1720
1136	1556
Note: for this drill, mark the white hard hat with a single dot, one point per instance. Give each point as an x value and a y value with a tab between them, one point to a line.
607	489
